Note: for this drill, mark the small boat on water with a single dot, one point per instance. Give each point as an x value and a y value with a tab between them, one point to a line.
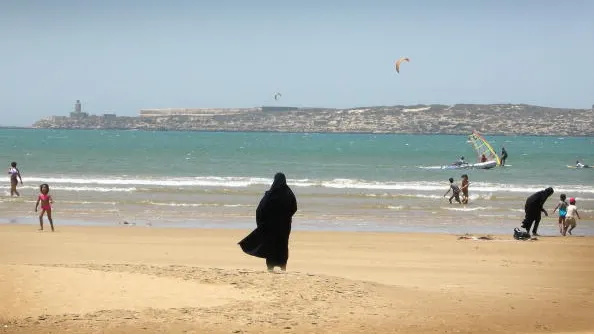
478	165
486	156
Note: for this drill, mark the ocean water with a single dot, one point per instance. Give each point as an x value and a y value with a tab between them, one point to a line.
359	182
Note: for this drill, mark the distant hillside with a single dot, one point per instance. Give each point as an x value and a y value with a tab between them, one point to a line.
492	119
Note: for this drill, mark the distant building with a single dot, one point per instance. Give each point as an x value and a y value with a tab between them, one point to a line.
278	109
193	111
77	113
110	115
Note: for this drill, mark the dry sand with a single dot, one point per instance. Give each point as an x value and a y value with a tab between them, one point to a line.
139	279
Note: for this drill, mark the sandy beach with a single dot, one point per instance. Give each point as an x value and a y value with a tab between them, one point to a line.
132	279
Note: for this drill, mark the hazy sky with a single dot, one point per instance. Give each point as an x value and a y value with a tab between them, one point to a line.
123	55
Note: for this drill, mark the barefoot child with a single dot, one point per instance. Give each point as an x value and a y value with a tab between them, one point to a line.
572	213
46	200
562	206
464	188
455	191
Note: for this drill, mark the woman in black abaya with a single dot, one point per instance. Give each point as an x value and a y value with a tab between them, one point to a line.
270	240
533	207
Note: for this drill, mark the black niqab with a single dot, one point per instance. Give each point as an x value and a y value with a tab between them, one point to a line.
537	200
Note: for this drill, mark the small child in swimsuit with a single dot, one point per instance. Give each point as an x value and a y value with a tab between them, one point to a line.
455	191
572	215
46	205
562	206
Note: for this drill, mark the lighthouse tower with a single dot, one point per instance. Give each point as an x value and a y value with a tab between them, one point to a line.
77	107
78	110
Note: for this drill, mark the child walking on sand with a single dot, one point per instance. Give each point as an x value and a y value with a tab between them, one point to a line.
46	201
572	213
455	191
562	206
464	188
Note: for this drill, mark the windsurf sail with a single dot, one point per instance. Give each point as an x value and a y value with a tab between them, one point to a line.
481	146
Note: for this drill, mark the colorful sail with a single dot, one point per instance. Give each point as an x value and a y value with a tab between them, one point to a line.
481	146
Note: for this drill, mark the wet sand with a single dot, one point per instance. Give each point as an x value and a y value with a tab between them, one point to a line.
133	279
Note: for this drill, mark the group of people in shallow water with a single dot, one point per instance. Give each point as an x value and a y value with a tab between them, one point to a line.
568	213
455	189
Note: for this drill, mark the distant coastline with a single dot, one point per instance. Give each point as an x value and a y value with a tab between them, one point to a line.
5	127
489	119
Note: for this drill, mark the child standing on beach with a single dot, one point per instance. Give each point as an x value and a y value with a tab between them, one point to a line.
464	188
455	191
572	213
46	201
562	206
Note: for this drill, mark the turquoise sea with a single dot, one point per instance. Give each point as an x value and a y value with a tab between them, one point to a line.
366	182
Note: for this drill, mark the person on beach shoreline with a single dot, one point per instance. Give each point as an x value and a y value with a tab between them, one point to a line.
455	191
533	208
15	176
46	205
270	239
562	206
570	218
464	188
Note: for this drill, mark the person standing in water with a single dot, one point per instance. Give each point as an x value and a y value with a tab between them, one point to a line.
562	206
270	240
533	208
46	205
464	188
455	191
15	176
503	156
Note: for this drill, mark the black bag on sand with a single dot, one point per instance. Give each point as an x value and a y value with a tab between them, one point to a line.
521	235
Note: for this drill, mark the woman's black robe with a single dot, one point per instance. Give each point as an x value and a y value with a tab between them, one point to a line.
270	240
534	207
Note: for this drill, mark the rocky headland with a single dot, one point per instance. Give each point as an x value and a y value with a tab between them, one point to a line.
492	119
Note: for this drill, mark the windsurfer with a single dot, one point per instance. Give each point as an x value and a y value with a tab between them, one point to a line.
503	156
